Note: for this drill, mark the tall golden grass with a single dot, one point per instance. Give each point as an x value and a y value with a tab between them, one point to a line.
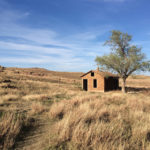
11	125
79	120
107	122
25	95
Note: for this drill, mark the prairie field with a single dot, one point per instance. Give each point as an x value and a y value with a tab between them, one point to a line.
48	110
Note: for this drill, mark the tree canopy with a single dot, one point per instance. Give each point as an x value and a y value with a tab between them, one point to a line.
124	58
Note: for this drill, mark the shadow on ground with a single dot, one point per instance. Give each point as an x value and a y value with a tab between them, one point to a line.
137	89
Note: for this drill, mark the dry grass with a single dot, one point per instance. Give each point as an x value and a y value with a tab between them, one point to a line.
8	97
34	97
80	120
11	125
109	122
24	93
37	108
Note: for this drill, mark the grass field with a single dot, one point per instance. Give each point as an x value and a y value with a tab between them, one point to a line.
47	110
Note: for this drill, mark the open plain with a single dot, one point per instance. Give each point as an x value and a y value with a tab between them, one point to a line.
48	110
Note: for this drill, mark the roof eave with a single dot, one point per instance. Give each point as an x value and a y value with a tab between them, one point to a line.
86	73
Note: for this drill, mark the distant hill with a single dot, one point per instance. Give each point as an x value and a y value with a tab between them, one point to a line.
45	72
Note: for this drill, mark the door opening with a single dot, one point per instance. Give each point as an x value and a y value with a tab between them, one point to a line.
94	83
85	84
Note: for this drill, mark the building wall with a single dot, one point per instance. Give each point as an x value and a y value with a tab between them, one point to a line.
100	82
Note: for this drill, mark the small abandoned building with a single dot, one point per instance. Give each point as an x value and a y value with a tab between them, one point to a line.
99	81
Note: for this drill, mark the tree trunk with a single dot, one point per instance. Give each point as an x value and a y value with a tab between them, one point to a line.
124	85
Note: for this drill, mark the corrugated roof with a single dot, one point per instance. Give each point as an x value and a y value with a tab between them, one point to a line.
102	73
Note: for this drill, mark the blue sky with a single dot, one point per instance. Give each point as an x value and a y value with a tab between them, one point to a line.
67	35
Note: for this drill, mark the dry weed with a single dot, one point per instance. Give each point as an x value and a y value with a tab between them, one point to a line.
37	108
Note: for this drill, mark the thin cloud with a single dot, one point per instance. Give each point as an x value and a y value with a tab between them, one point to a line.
45	46
92	35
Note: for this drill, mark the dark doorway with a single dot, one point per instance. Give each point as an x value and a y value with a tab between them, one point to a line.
95	83
111	83
85	84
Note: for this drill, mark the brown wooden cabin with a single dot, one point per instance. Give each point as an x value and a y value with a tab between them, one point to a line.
99	81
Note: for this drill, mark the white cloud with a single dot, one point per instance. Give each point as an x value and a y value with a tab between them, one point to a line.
91	35
29	48
79	46
86	36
